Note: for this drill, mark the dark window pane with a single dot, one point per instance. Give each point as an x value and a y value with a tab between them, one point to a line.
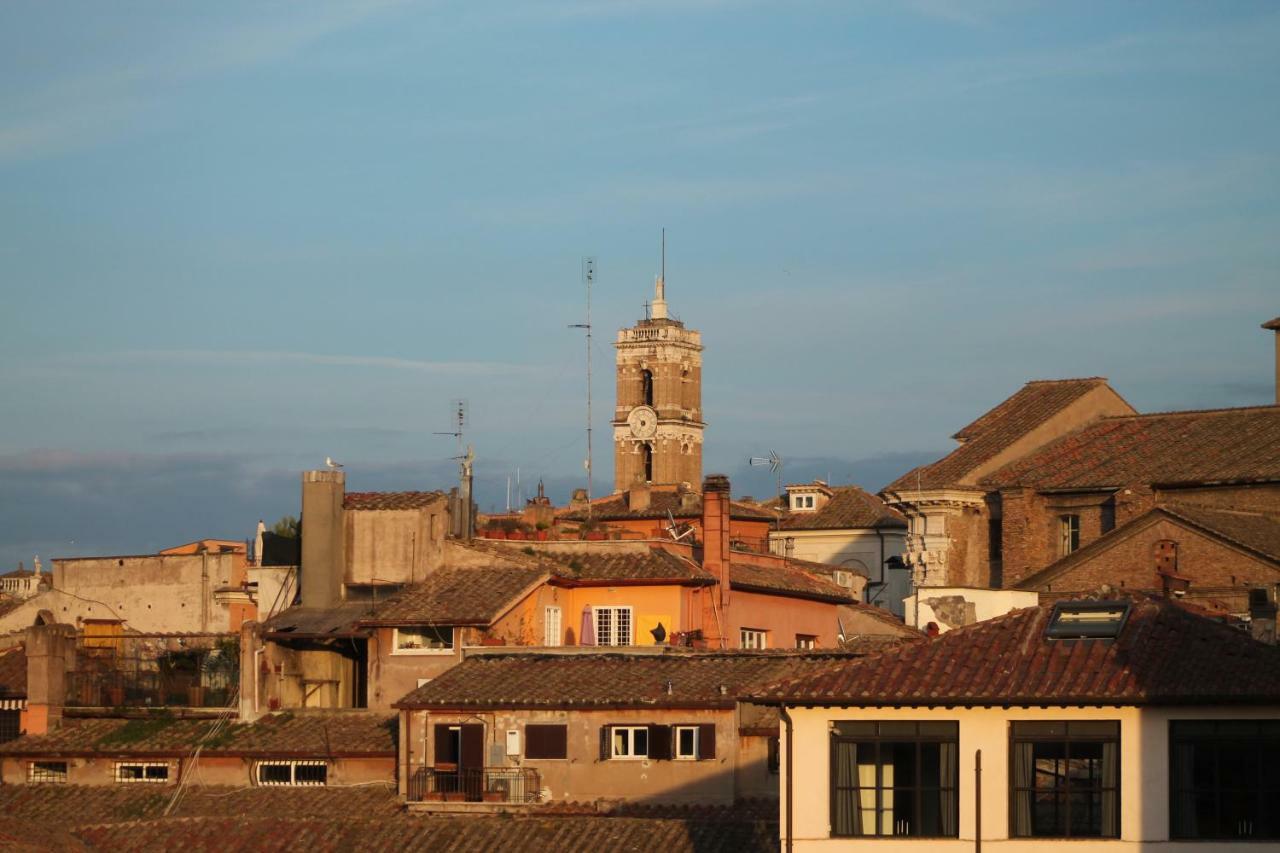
1049	814
1086	814
273	774
1238	765
311	774
940	729
855	729
640	746
900	758
1094	728
903	803
896	728
1039	729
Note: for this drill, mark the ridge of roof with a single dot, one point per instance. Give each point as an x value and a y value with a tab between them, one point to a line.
389	500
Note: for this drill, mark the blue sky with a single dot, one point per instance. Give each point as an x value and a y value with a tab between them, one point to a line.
238	237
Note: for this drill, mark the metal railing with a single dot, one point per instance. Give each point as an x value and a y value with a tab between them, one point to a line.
475	785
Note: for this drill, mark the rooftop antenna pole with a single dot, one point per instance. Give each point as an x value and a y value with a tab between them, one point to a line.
461	415
588	277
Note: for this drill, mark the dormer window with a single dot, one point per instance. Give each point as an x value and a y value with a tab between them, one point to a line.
800	503
1087	620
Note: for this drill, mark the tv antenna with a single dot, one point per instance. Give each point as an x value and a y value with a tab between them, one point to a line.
774	461
588	278
460	413
675	529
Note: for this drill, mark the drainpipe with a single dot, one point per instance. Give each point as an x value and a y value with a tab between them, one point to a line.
879	585
977	799
786	828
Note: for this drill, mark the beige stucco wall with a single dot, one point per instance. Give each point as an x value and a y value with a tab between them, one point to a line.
584	777
1144	777
151	593
394	546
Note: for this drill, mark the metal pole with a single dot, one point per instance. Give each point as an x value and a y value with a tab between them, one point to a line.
977	798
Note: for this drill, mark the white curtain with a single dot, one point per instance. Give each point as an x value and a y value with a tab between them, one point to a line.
847	819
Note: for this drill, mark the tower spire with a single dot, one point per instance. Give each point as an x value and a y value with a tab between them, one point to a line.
660	286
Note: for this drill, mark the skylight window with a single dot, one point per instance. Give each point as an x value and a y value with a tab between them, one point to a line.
1087	620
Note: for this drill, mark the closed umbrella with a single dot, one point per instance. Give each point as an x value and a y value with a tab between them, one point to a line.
588	635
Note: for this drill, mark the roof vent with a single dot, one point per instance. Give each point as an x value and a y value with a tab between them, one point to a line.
1087	620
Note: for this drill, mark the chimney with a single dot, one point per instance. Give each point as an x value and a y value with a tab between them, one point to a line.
715	531
35	565
1262	616
639	497
1274	325
50	650
323	540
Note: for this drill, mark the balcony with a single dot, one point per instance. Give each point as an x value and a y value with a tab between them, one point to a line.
474	788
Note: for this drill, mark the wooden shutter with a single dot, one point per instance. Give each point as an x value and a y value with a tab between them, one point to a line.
659	741
707	740
546	741
472	746
606	732
444	746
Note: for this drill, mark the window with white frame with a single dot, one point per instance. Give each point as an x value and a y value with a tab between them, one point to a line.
430	640
142	771
47	771
806	641
754	638
613	626
1069	533
553	627
802	502
686	743
629	741
293	773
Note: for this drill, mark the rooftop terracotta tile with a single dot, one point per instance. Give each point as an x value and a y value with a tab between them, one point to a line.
389	500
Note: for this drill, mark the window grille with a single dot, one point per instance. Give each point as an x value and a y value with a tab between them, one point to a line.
142	771
47	771
293	773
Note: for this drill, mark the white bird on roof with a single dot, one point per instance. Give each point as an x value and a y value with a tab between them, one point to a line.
333	466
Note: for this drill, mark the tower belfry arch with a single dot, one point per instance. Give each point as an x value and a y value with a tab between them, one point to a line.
657	423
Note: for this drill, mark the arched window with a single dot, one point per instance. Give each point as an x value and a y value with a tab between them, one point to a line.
646	456
646	387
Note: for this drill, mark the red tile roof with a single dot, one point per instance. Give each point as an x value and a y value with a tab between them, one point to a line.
1218	446
308	734
1163	656
600	679
571	834
1272	324
458	596
796	578
849	507
390	500
1034	404
130	805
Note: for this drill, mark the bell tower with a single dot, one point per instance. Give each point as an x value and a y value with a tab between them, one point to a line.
657	423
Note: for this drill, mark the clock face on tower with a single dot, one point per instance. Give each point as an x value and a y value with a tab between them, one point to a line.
643	421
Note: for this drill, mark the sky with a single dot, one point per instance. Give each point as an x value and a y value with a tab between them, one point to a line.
236	238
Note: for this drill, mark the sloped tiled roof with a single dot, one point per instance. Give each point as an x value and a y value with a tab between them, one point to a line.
389	500
849	507
1163	656
457	596
298	734
13	672
662	501
1217	446
338	621
1034	404
570	834
599	679
652	564
795	578
72	805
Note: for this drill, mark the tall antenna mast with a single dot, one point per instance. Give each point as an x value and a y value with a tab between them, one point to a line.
460	412
588	277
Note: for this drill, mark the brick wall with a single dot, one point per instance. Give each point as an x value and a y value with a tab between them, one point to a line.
1264	497
1217	571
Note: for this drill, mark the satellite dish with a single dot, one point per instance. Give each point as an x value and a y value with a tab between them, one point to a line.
674	529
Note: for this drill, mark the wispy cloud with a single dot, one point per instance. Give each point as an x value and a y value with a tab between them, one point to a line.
79	111
255	358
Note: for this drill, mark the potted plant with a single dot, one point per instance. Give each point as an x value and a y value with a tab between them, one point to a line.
541	532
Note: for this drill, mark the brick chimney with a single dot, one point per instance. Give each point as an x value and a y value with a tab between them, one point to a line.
715	531
323	540
1274	325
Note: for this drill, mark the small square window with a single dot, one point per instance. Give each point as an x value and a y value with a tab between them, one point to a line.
293	773
1069	531
806	641
754	638
630	742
